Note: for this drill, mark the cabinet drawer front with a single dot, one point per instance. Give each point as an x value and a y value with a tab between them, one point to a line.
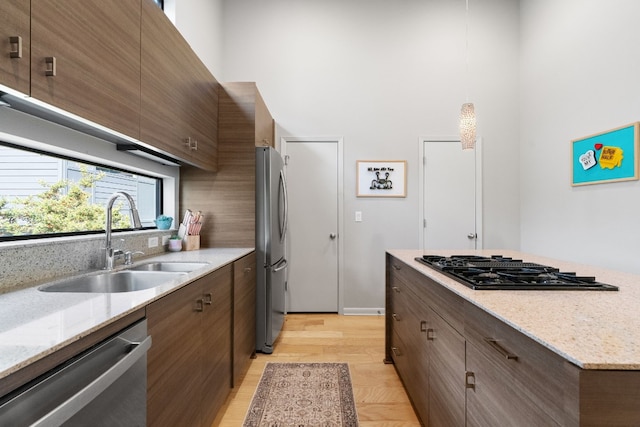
411	278
500	400
409	317
444	302
517	367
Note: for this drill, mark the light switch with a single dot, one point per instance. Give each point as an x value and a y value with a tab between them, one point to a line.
153	242
358	216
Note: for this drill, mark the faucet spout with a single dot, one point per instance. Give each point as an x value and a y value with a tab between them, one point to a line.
109	252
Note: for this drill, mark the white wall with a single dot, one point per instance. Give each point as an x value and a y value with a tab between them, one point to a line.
200	23
381	74
580	70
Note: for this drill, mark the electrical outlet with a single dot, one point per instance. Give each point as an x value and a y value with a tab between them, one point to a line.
358	216
165	240
153	242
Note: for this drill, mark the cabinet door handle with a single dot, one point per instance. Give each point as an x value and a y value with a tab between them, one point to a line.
503	351
247	270
395	351
50	70
431	334
208	298
199	305
470	380
16	47
395	316
191	143
396	267
423	326
395	288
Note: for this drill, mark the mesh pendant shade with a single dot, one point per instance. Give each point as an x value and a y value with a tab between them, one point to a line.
467	126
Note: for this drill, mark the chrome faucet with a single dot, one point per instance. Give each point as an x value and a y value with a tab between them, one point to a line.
110	254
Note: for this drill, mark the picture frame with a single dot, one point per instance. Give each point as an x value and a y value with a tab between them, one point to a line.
610	156
381	178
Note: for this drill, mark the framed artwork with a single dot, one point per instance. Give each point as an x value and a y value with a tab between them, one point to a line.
609	156
381	178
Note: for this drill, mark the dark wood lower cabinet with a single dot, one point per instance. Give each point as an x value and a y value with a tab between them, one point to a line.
446	373
189	362
203	336
244	315
461	366
216	339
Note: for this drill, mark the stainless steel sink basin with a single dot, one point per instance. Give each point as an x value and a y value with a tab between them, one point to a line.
110	282
184	267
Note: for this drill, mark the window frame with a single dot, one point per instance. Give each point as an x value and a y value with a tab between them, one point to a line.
29	132
158	190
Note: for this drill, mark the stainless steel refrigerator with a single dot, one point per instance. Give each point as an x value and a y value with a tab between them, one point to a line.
271	230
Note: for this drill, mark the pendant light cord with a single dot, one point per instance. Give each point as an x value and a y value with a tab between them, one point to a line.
466	38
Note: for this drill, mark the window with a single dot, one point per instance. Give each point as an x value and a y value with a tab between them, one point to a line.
44	195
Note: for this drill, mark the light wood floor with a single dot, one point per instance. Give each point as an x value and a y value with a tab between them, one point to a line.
358	340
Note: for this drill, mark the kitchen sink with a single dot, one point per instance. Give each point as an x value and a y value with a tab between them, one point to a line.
111	282
184	267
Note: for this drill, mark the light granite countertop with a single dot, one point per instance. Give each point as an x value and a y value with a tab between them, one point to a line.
592	329
34	324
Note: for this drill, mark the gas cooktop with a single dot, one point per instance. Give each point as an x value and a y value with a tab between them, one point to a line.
503	273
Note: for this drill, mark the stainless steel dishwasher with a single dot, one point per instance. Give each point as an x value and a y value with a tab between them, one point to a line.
104	386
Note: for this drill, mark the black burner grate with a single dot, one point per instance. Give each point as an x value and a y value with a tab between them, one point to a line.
503	273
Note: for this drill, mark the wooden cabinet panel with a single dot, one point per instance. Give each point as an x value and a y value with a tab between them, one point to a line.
529	373
179	96
445	303
244	115
96	46
189	362
265	126
15	57
228	198
608	398
244	315
216	342
446	374
496	398
409	345
174	385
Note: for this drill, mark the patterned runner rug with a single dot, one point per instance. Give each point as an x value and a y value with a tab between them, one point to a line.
303	395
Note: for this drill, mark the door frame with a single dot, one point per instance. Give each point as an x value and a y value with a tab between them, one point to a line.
478	190
284	140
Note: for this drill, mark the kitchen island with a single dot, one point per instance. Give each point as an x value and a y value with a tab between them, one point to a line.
514	357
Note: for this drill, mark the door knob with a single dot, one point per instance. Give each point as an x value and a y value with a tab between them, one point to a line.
332	236
472	235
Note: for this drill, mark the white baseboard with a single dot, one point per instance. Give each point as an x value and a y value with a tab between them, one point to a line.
363	311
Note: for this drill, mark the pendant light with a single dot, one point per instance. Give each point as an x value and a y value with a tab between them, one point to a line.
467	113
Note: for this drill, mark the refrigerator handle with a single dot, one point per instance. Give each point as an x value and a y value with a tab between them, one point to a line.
285	219
280	266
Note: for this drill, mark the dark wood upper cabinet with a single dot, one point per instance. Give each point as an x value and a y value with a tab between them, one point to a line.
85	59
15	44
179	96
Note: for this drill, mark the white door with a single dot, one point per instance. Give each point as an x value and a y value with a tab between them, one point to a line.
451	196
312	184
